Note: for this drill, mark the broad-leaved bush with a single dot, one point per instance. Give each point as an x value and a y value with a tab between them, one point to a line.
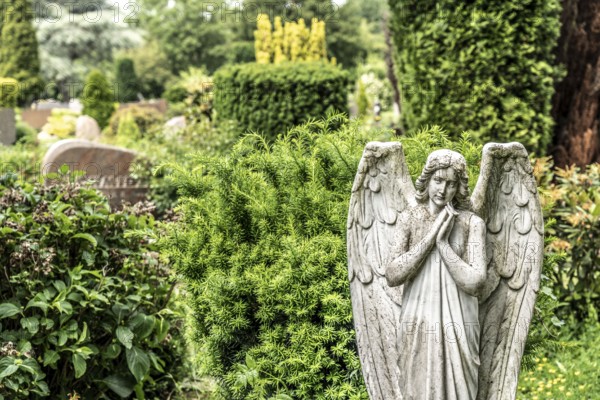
85	308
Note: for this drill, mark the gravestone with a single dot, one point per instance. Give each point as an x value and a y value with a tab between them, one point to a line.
87	128
108	166
8	130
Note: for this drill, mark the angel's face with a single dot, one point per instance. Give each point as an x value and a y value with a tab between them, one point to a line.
442	186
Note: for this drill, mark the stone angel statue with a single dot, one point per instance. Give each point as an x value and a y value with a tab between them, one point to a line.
443	284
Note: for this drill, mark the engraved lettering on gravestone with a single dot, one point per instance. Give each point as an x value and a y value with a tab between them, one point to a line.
443	283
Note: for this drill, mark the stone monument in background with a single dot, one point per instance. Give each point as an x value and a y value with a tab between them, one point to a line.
108	166
8	129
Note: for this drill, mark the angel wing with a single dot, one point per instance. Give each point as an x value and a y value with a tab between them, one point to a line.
382	188
506	198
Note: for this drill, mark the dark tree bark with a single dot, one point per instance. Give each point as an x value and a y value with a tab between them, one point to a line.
576	101
389	63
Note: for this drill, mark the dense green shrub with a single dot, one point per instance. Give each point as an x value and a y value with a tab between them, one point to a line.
98	98
9	92
84	308
270	99
261	242
146	118
575	195
128	128
127	82
25	133
484	66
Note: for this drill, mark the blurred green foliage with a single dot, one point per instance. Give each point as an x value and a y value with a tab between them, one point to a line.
98	98
487	67
269	99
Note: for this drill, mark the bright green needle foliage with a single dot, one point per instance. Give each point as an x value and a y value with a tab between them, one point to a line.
261	242
484	66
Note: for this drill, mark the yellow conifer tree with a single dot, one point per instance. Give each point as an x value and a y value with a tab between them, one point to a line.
303	39
263	42
279	53
316	45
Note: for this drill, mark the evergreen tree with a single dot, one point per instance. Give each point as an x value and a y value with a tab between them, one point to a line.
127	81
19	50
98	98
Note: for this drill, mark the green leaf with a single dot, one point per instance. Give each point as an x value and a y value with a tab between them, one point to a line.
31	324
142	325
138	362
83	334
87	237
121	385
79	364
112	351
11	369
162	329
250	362
282	396
62	338
50	357
63	169
8	310
38	303
125	336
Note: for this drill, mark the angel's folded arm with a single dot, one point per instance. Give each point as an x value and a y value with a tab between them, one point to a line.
469	274
404	262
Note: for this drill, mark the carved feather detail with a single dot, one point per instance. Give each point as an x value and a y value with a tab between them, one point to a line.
382	188
506	198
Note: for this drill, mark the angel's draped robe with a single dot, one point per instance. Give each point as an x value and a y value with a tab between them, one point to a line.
439	324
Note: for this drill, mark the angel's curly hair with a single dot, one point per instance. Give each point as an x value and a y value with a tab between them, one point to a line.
441	159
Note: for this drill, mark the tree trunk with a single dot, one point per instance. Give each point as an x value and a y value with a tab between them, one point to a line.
391	74
576	101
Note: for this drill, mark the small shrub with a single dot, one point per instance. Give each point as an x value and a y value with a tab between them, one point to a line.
576	199
25	133
62	123
146	118
127	82
85	309
128	128
98	98
9	92
271	98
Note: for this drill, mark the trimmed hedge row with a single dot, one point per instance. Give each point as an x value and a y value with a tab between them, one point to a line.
484	66
269	99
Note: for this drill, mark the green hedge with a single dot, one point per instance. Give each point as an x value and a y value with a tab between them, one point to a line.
271	98
261	242
483	66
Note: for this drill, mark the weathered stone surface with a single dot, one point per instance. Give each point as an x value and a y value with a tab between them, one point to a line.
87	128
8	129
45	137
176	122
437	314
108	165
